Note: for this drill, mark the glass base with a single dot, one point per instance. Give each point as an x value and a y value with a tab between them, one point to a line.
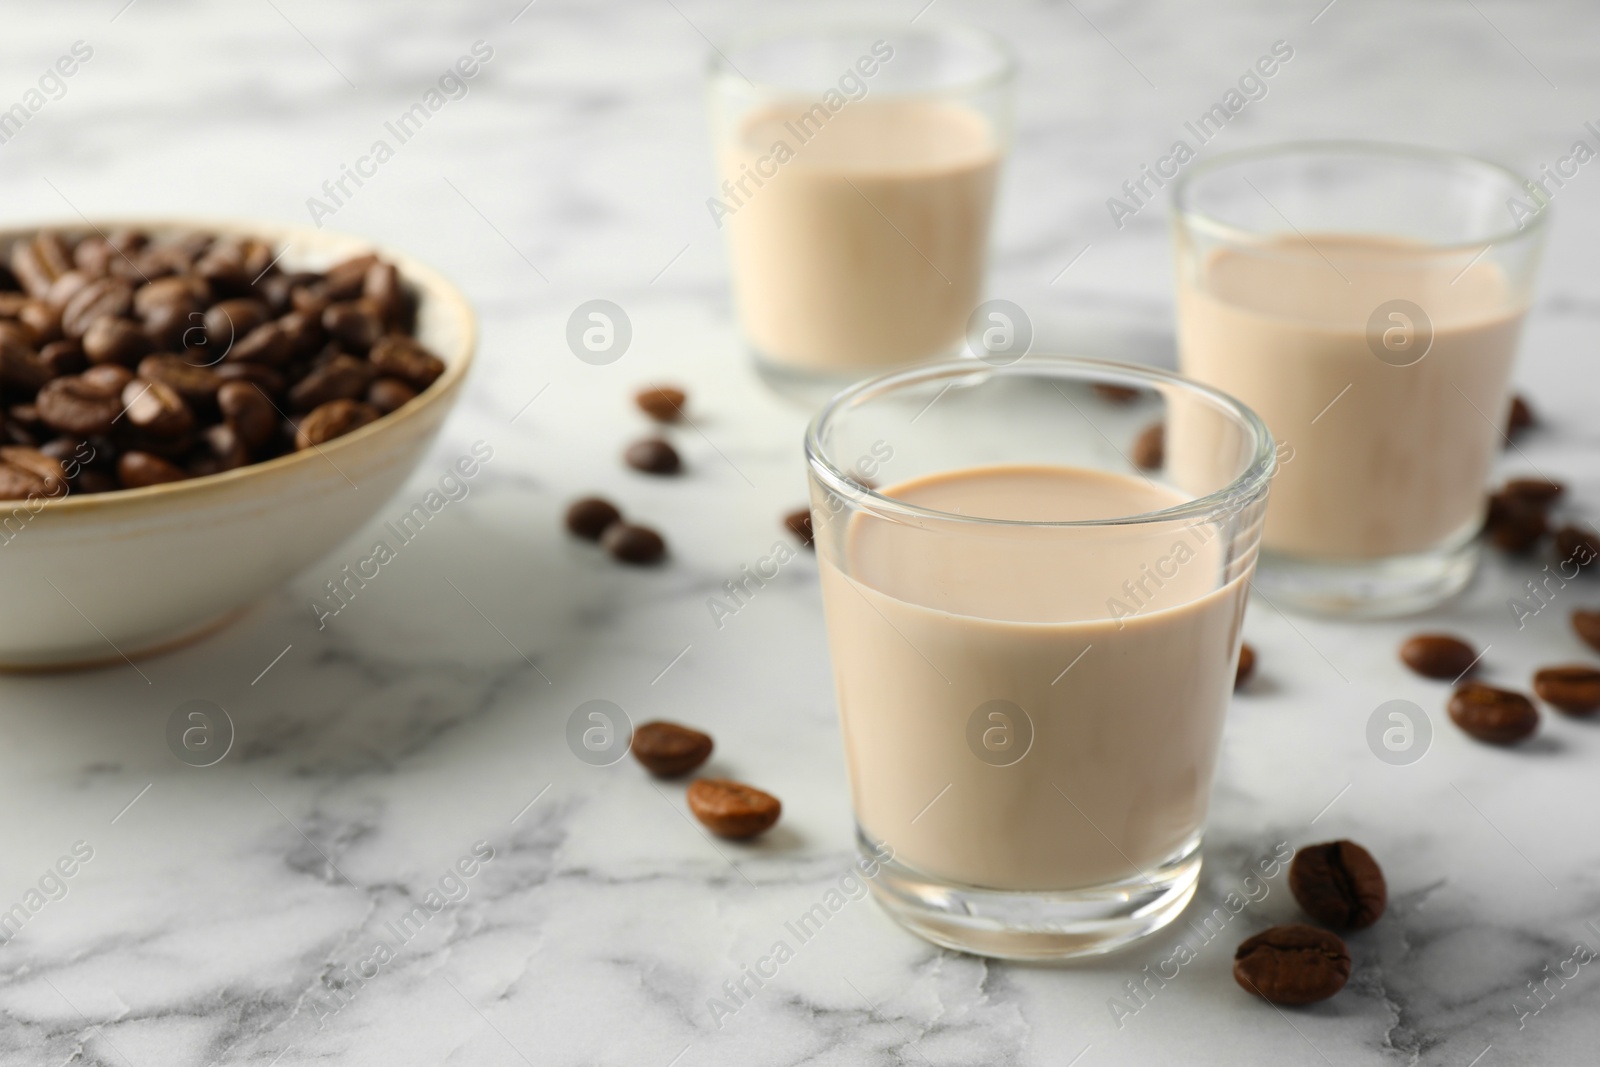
1035	924
1366	589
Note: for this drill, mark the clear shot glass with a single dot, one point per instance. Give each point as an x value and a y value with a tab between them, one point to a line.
1033	605
1366	300
858	166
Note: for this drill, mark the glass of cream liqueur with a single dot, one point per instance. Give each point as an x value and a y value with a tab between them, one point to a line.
1034	641
1366	300
857	168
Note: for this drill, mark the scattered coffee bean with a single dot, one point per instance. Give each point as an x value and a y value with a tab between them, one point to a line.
1117	394
1586	624
1338	884
1247	665
629	543
653	456
1150	447
1574	690
668	750
799	524
732	809
1292	964
1513	523
1538	492
1441	656
590	517
1578	545
664	403
1495	716
1521	418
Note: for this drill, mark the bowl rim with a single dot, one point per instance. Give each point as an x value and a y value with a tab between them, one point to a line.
432	283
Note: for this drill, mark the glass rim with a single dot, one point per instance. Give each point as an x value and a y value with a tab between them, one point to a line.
720	68
1185	215
1243	488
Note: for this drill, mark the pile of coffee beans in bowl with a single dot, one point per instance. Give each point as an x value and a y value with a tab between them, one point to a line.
129	360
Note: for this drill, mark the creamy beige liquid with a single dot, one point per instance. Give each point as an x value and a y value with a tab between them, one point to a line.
1398	464
927	623
866	246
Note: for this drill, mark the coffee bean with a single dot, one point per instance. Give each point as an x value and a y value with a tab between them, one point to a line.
355	323
249	412
653	456
664	403
21	367
1292	965
1338	884
1538	492
344	281
101	298
113	340
1513	523
270	381
66	287
590	517
41	465
79	406
1495	716
197	385
401	357
340	378
222	449
38	261
1574	690
138	469
333	419
1521	418
799	524
668	750
1440	656
1150	447
42	320
17	483
637	545
732	809
1117	394
381	289
156	408
1247	665
229	322
269	344
1586	624
390	394
1579	546
64	357
110	377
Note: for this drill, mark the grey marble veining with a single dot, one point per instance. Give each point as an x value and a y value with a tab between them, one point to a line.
224	910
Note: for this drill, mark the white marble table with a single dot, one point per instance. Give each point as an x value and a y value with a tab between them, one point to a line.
222	905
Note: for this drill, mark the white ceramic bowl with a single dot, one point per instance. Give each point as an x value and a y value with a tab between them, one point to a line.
94	579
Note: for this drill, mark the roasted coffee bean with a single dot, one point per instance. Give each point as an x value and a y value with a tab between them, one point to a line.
186	291
249	411
230	321
110	377
1574	690
1116	394
401	357
664	403
113	340
1521	418
1586	624
38	261
1339	884
65	450
637	545
1246	667
272	382
78	406
224	449
344	281
11	301
268	344
42	320
173	326
303	333
356	324
1150	447
92	257
21	367
197	385
653	456
732	809
1292	964
65	287
101	298
590	517
41	465
799	524
19	484
64	357
1495	716
389	394
1513	524
341	378
1538	492
156	408
668	750
1579	546
94	481
309	300
138	469
382	290
333	419
1440	656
